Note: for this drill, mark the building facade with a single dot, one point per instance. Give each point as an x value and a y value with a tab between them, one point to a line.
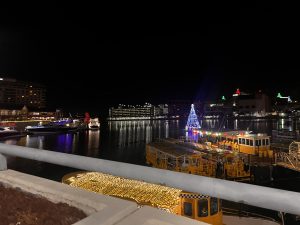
257	104
14	93
146	111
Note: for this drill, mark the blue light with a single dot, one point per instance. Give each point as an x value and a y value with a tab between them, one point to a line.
192	122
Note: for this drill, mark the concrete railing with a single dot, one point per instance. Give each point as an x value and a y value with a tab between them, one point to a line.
270	198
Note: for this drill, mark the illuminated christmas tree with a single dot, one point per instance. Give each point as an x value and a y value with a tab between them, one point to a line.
192	122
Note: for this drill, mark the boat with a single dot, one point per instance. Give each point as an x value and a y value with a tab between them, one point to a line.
239	141
171	154
6	132
94	124
52	127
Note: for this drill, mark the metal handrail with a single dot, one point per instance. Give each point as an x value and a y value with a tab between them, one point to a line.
270	198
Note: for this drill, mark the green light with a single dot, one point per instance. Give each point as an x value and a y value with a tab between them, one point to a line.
223	98
279	95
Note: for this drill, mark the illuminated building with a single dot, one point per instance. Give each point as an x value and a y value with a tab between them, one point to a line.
146	111
16	94
257	104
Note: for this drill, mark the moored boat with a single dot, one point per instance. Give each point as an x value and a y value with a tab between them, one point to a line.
52	127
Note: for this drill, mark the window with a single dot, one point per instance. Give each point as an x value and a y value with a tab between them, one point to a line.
213	206
251	142
202	207
188	209
220	205
267	141
247	142
257	142
240	141
263	142
243	141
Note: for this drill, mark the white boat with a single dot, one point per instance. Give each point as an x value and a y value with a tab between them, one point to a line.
94	124
52	127
6	132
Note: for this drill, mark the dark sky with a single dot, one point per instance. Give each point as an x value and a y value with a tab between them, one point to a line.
149	52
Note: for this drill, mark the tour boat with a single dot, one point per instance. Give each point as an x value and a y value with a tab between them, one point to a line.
52	127
94	124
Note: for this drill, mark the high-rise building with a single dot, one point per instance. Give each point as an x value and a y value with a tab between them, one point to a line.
14	93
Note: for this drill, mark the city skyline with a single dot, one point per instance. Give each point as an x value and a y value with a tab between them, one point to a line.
83	60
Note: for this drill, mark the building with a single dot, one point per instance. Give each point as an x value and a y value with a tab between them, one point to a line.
146	111
245	104
217	109
14	93
130	111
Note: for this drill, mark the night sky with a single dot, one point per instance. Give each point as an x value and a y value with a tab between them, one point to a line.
150	53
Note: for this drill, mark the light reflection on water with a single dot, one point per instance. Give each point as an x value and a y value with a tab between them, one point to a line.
125	141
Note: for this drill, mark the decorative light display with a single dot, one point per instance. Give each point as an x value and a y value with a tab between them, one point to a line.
143	193
192	122
223	98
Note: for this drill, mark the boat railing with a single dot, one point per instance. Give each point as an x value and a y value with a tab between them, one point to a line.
265	197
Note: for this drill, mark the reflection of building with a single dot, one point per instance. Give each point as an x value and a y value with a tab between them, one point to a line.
19	93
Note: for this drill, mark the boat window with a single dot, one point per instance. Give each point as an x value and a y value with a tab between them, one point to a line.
263	142
213	206
240	142
247	142
243	141
188	208
202	207
257	142
267	141
251	142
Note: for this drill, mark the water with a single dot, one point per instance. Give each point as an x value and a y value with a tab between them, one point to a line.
122	141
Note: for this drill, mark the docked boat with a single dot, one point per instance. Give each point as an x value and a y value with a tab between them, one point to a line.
6	132
177	156
52	127
237	141
94	124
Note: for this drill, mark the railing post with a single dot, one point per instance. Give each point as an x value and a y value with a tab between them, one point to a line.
3	162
